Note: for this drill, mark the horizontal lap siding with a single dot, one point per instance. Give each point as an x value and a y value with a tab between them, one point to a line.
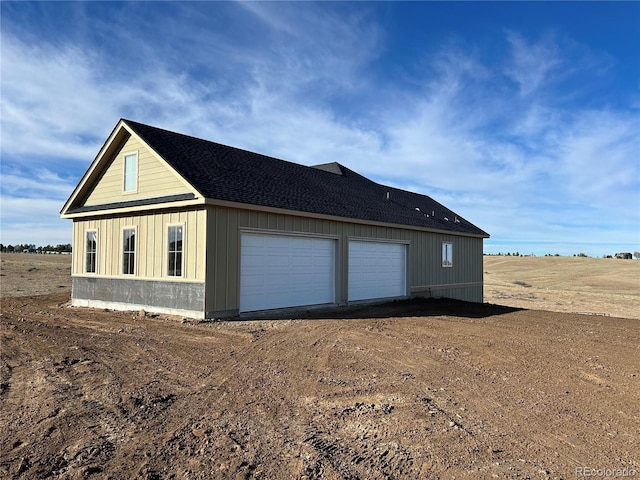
154	178
151	244
223	261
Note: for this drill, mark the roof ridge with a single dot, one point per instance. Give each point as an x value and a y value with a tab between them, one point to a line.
225	172
200	139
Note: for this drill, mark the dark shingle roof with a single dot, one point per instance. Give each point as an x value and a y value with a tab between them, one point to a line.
228	173
142	202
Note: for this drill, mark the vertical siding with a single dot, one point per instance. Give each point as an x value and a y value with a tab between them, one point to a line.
151	244
424	261
77	251
212	250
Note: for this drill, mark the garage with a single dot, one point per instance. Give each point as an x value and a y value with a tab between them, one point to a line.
377	270
279	271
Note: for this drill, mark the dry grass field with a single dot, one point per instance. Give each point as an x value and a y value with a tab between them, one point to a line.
405	390
562	284
604	286
29	274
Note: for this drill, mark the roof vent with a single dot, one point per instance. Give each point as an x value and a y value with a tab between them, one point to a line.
333	167
387	197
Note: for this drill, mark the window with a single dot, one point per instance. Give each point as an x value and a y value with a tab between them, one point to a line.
91	250
174	260
447	254
131	172
128	251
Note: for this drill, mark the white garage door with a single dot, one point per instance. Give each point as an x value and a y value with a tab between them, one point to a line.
277	271
377	270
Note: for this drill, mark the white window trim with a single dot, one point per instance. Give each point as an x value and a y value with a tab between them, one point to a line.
94	230
447	255
136	250
184	236
124	172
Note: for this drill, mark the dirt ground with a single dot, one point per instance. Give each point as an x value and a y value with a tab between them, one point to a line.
415	389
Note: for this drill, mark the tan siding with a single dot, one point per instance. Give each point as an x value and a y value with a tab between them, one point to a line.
151	244
225	224
154	178
76	254
211	268
112	234
156	237
212	250
221	252
233	258
145	264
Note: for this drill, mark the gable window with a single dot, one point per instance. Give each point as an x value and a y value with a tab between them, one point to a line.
174	260
128	251
91	250
447	254
131	172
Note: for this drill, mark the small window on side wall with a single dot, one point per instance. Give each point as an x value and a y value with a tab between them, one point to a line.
91	251
174	260
447	254
130	184
128	251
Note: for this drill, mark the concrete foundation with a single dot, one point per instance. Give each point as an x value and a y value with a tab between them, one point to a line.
176	298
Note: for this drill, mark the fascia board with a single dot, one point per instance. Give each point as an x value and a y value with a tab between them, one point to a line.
136	209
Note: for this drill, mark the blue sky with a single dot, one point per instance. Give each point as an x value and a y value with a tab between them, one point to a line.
522	117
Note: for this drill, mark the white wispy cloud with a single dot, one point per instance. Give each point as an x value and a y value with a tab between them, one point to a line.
497	141
51	101
45	182
533	64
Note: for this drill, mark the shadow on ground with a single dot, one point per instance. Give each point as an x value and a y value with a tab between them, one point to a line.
415	307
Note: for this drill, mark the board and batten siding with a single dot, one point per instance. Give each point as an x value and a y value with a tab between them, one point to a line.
426	275
154	178
151	245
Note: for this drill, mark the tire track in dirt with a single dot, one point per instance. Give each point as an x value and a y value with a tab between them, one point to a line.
433	396
53	380
551	408
440	404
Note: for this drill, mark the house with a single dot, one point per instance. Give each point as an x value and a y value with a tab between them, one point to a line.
174	224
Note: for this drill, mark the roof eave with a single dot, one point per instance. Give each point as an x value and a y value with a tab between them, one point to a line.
150	204
322	216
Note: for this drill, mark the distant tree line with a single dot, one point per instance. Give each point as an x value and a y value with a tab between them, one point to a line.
509	254
517	254
624	255
31	248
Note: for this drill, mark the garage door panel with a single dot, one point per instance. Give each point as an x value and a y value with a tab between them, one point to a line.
252	241
253	280
377	270
299	261
285	271
276	261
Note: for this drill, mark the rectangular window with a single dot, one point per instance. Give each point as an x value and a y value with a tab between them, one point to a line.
91	250
174	260
447	254
131	172
128	251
